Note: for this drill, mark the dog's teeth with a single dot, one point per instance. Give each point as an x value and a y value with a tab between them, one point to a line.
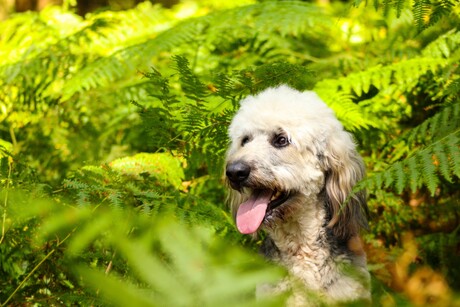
276	195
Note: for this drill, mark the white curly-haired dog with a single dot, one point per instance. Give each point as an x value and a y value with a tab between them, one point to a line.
291	167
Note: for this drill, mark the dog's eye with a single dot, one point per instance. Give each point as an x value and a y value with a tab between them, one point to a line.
245	140
281	141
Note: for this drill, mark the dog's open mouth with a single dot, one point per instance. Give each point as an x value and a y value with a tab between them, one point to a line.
252	212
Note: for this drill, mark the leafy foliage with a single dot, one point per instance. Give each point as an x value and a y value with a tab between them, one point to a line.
438	158
113	130
426	13
205	269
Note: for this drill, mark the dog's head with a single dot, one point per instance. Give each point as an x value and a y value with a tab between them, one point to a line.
288	147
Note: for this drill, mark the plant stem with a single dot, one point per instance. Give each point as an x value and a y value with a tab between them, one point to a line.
10	167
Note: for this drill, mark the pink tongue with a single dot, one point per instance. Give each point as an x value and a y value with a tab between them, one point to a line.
251	213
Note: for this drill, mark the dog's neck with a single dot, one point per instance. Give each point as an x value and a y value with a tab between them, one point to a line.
300	232
302	244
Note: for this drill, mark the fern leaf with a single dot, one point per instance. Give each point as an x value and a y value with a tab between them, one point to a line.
414	173
377	180
442	160
88	233
274	74
406	73
286	18
453	150
357	84
349	113
190	83
421	10
386	7
116	291
443	46
442	123
399	5
428	168
440	9
115	199
400	175
388	178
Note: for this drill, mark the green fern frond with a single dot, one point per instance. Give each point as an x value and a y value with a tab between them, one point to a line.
428	167
399	6
444	45
399	174
452	146
414	174
285	18
442	160
421	11
442	123
167	276
388	178
430	160
422	168
190	83
440	9
387	6
273	74
426	12
140	180
350	114
406	74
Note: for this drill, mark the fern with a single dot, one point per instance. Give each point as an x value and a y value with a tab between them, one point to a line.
350	114
168	276
340	93
452	149
439	125
274	74
444	45
414	175
399	6
439	159
426	13
263	17
405	74
421	11
399	174
440	9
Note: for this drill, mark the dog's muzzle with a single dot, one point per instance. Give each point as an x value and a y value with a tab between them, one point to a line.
261	200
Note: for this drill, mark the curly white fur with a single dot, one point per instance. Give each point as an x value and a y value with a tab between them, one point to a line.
291	159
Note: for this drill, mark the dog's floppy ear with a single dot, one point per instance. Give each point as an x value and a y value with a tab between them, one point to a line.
348	212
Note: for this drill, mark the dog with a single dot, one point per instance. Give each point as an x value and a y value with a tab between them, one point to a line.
291	168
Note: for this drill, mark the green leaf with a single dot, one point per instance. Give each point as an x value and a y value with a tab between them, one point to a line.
153	271
414	173
400	174
453	150
117	291
88	233
164	167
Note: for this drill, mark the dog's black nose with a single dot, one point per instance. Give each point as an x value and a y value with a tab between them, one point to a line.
237	172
